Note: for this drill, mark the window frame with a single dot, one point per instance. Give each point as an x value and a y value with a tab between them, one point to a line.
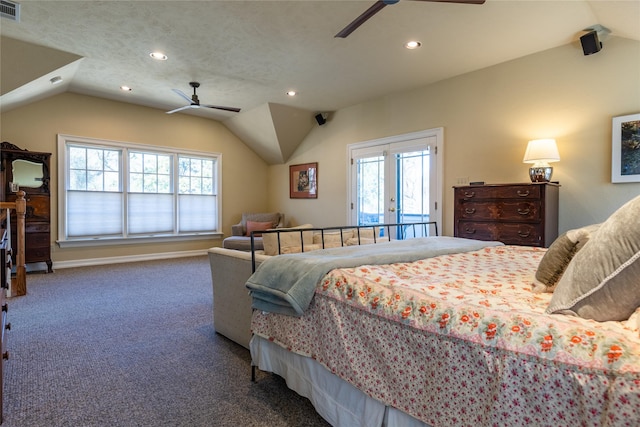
127	238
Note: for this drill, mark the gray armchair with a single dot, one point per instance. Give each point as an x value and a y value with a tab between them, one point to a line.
240	239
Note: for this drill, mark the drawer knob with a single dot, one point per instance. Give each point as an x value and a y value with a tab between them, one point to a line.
470	211
469	194
524	211
470	230
524	233
523	193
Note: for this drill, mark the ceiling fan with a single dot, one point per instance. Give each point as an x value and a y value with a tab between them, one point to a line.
194	102
380	4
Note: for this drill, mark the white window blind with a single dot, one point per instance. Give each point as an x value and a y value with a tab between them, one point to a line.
197	212
93	214
151	213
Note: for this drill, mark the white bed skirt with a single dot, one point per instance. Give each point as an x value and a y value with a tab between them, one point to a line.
337	401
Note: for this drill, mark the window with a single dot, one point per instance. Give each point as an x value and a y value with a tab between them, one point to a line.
114	192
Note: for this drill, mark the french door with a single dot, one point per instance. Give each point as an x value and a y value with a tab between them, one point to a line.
397	180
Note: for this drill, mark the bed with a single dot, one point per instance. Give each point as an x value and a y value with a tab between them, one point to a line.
459	337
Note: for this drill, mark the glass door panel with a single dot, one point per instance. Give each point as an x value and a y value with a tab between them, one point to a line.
370	190
411	172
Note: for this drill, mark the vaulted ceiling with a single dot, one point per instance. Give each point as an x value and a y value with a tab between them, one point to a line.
248	54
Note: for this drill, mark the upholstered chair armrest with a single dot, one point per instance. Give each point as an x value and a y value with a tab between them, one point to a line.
237	230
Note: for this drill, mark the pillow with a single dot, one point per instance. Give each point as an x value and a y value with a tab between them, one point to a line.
367	232
275	218
297	249
558	256
287	239
332	239
258	226
366	240
602	281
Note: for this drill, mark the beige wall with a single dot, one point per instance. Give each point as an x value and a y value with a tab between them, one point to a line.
488	117
36	126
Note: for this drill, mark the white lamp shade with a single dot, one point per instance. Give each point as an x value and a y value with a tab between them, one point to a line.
541	151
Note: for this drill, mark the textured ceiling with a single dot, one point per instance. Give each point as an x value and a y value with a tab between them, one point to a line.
247	54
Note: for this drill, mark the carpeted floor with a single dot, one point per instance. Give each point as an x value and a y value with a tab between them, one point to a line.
134	345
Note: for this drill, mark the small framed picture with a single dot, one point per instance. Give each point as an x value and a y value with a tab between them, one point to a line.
625	152
303	181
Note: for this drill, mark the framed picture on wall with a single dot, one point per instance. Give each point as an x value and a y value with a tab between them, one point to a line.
303	181
625	153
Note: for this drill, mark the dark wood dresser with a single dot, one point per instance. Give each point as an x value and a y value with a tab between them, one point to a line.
514	214
29	171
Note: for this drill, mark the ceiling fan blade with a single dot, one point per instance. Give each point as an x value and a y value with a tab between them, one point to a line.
219	107
377	7
182	94
380	4
456	1
179	109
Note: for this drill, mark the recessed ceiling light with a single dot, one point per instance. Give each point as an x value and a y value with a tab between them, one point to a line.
125	88
55	80
158	56
291	93
413	44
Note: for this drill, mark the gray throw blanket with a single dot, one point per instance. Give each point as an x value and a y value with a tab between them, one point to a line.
286	283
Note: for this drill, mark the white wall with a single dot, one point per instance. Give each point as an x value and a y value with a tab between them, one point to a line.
35	127
488	117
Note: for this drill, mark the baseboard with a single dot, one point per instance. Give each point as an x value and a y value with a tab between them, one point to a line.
128	258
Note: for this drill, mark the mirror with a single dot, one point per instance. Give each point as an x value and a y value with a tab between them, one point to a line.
27	174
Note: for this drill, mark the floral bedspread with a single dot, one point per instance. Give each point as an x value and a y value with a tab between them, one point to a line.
461	340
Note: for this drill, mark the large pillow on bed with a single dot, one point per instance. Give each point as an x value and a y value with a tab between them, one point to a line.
288	239
602	281
557	258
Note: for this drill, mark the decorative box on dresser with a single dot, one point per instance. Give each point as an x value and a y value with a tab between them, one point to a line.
29	171
515	214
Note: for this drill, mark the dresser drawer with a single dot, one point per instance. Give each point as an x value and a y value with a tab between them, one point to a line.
529	192
36	227
506	210
36	240
37	247
507	233
38	208
37	255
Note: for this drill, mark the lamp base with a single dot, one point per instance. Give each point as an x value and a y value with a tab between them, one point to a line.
540	174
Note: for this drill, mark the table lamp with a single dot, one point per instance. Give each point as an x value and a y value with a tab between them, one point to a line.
541	152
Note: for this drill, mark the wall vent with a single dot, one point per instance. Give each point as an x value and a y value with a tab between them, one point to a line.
10	10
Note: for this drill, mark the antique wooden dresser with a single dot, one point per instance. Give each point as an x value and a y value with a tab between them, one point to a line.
29	171
515	214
